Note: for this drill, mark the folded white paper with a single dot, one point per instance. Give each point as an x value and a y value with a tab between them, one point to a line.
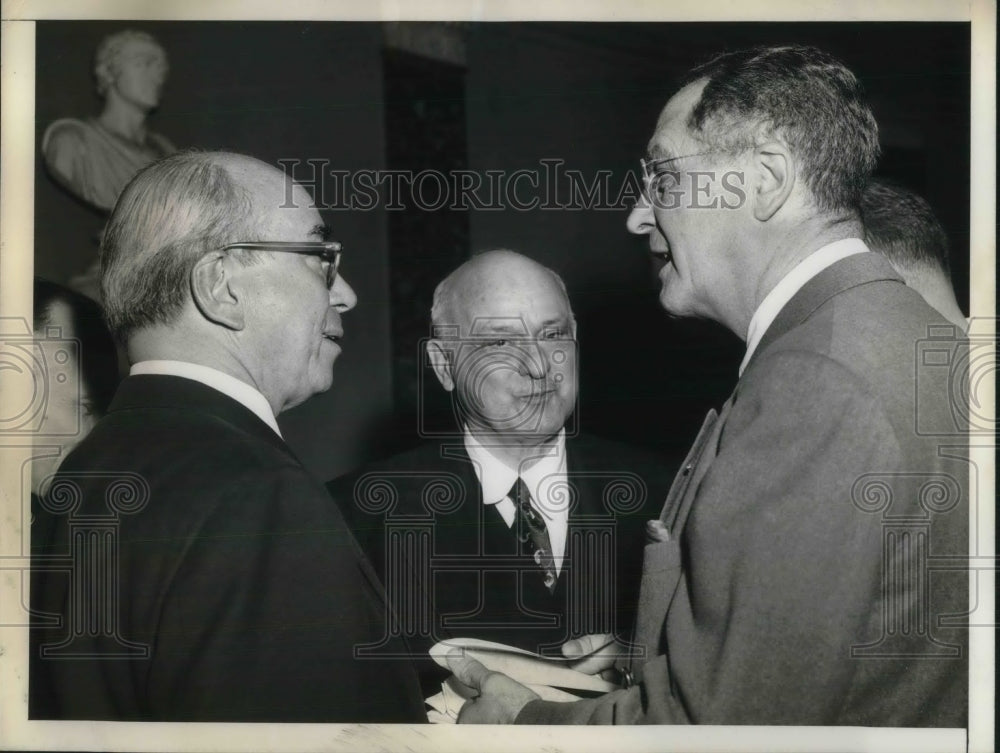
523	666
548	677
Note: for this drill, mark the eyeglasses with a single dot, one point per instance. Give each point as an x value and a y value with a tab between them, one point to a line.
650	168
328	251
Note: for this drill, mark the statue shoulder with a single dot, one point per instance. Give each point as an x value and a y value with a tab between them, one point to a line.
65	134
72	154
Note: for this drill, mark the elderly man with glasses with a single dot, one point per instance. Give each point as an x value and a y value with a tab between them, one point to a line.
225	585
807	566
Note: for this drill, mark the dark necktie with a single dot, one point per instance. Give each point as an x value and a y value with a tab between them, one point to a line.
532	533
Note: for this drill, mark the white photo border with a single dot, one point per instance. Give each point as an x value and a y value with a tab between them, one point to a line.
17	167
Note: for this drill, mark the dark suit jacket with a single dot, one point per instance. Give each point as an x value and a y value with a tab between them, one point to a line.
813	526
454	567
201	574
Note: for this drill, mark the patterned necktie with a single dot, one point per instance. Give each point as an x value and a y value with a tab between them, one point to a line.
532	533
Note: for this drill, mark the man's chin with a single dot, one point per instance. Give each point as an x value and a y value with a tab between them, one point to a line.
672	302
324	384
317	387
525	433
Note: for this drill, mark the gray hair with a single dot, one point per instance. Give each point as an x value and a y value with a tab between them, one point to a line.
804	96
170	214
108	55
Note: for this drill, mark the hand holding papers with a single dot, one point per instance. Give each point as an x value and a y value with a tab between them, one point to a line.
525	677
594	654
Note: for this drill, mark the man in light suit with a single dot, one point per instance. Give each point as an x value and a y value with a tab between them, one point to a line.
197	572
788	578
445	521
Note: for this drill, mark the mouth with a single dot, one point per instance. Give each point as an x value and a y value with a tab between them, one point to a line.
333	337
537	394
663	256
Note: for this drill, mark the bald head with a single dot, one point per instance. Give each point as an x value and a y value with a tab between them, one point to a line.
168	216
267	187
487	280
505	346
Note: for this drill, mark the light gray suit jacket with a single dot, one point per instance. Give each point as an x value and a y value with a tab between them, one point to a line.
818	530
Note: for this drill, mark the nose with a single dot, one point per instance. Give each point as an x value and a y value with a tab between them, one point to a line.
640	220
538	360
342	295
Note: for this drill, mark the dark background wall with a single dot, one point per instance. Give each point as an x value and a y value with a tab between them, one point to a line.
586	94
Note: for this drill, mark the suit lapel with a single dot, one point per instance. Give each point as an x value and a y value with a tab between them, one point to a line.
491	533
683	480
662	561
703	455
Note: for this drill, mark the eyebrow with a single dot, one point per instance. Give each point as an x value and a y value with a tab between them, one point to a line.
655	152
322	231
499	328
660	156
502	329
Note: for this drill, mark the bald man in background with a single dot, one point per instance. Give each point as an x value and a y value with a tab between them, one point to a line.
531	568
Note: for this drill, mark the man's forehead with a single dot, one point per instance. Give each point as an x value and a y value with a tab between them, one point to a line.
672	124
291	224
294	196
518	322
283	208
270	188
499	306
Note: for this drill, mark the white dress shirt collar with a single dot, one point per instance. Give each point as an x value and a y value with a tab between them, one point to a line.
791	284
228	385
546	482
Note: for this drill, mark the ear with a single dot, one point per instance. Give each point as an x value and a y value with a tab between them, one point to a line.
215	294
105	77
775	179
440	357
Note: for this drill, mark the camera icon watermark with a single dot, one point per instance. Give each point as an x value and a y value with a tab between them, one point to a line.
960	365
36	370
502	378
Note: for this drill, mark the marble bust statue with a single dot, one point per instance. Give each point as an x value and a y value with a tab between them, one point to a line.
96	157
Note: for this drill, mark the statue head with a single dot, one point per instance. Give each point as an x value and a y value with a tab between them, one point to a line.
131	65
